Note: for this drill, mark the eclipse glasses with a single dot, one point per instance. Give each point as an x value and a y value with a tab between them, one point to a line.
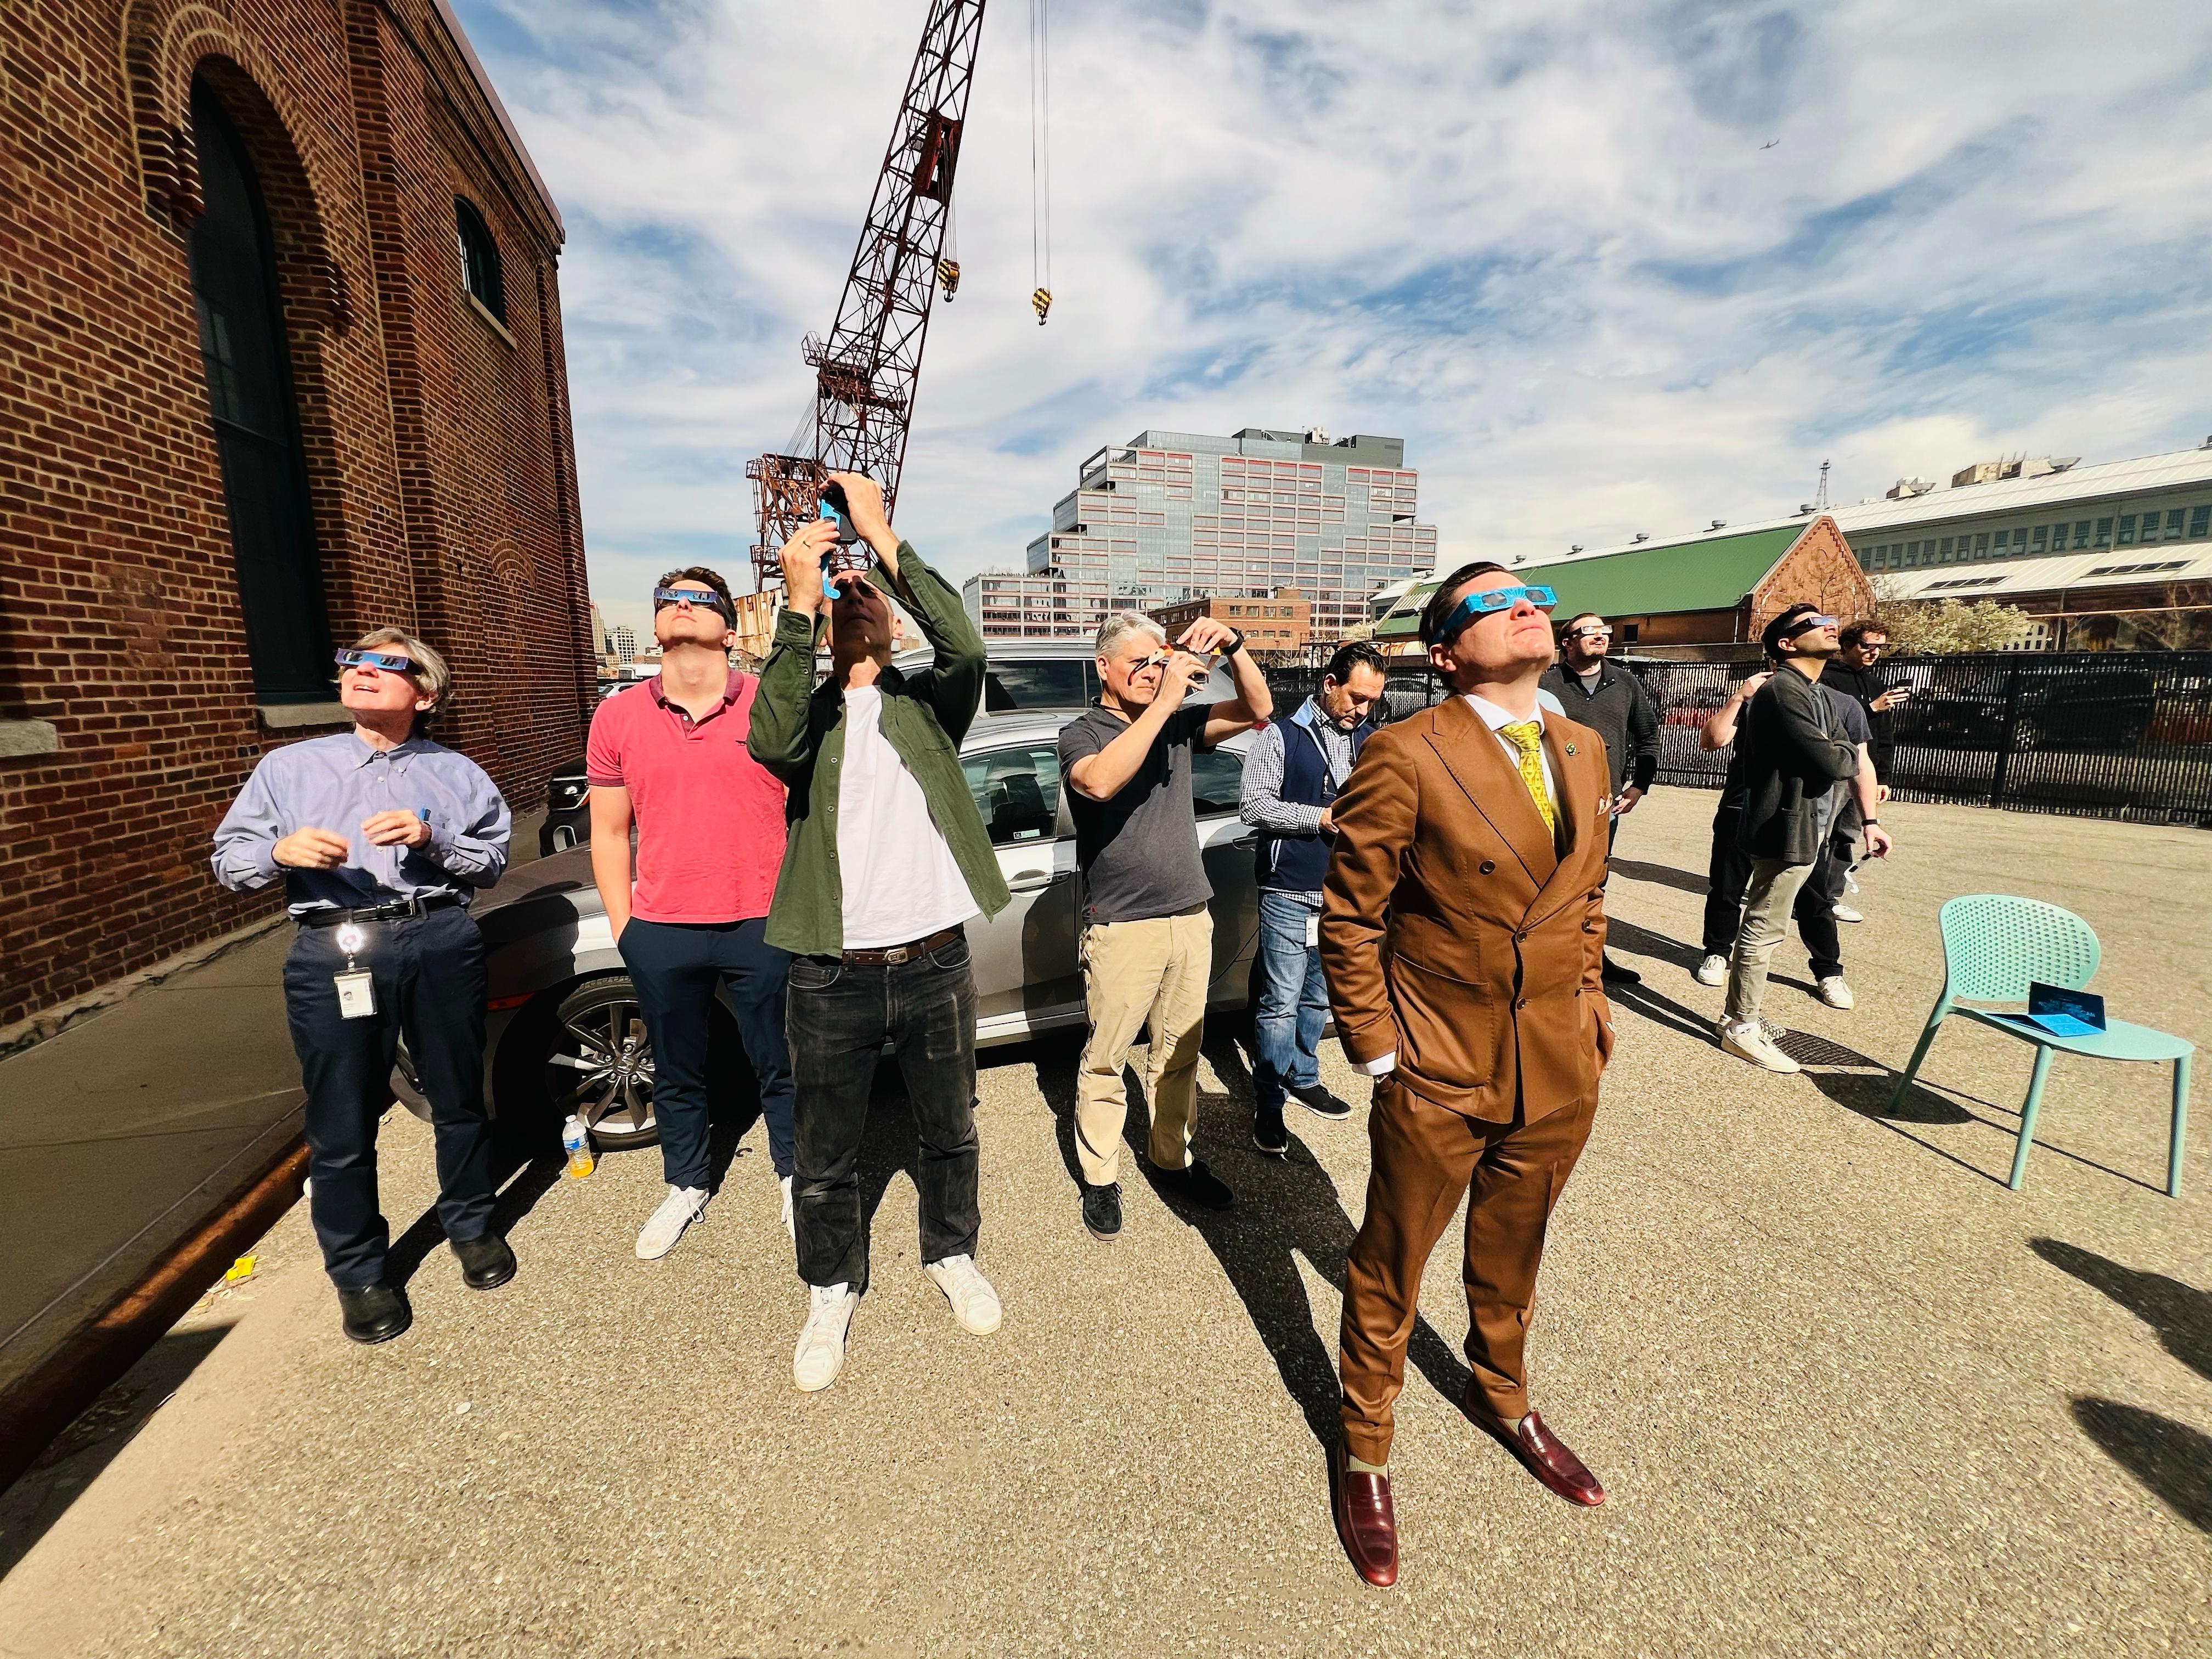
664	597
391	662
1484	600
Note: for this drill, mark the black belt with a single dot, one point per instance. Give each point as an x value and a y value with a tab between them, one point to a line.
392	912
892	956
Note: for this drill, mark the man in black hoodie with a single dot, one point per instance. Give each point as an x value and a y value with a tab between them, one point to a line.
1794	752
1613	702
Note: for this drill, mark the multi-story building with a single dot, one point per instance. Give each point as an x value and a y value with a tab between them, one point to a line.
1173	515
284	363
2113	555
1281	621
625	639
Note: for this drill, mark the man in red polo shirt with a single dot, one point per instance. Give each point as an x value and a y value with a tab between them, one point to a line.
670	755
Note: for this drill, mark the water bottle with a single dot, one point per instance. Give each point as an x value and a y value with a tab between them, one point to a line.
576	1141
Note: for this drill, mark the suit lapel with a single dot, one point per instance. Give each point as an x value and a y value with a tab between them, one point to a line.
1477	762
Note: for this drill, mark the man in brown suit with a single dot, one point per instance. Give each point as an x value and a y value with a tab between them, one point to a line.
1462	934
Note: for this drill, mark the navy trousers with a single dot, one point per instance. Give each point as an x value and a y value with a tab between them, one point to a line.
429	973
676	967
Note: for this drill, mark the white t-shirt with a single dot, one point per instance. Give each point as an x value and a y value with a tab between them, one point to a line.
900	879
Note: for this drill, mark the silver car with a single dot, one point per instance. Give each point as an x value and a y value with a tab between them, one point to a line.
565	1035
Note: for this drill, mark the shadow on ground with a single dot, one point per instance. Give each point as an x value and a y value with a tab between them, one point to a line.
1663	875
2180	1313
67	1469
2171	1459
1287	1208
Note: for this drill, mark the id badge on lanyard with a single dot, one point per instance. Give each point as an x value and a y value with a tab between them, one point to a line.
356	988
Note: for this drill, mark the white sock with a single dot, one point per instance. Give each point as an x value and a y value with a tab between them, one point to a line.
1356	1464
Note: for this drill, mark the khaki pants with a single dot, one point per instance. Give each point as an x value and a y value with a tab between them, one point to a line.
1767	902
1133	972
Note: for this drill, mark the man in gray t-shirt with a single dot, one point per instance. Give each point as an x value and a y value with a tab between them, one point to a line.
1147	939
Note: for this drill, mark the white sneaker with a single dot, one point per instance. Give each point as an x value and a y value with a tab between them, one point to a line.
1713	971
666	1225
1837	994
789	1227
1750	1042
821	1352
974	1304
1844	913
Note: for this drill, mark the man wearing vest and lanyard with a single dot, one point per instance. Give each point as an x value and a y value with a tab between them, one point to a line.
380	837
1292	775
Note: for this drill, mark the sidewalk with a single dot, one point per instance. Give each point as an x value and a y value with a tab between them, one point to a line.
1848	1394
120	1135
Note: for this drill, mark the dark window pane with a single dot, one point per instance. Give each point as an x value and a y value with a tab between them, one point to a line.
481	272
264	481
1216	780
1062	683
1016	791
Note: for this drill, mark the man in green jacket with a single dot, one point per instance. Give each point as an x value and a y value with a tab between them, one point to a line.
885	861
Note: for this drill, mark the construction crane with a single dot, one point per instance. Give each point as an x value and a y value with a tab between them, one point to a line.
866	371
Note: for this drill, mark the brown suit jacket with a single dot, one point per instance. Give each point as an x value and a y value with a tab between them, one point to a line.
1453	931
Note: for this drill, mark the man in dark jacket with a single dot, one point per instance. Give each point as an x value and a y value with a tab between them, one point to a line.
1794	752
1854	674
1612	702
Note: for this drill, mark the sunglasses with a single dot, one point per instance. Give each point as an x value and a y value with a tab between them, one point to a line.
1807	624
391	662
1591	634
664	597
1485	600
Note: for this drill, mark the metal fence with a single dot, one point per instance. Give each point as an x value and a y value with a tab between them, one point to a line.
2102	734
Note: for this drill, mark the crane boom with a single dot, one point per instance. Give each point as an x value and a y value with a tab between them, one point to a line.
866	372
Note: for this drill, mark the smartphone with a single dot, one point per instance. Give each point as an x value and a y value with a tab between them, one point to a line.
834	507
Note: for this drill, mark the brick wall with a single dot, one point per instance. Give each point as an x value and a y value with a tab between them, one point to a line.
1819	568
438	443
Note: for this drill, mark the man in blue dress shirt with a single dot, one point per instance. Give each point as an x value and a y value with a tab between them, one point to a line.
382	836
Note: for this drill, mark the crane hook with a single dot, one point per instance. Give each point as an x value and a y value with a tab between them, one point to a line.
1040	303
948	274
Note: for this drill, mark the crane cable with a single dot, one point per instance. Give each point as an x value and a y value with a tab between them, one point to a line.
1039	159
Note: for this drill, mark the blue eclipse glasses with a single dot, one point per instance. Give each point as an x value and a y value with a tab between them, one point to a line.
664	597
1484	600
391	662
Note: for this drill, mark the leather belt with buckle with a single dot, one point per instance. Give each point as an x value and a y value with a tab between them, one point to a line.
892	956
392	912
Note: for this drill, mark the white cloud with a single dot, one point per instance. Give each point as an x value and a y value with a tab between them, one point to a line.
1540	240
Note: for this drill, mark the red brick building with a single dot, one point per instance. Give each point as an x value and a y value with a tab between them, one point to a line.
1281	621
280	360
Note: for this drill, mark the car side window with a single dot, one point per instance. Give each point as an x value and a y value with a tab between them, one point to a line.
1216	780
1016	791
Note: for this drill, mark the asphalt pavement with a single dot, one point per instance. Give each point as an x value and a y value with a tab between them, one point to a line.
1847	1392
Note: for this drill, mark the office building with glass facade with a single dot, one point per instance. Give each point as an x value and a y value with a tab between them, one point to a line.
1174	516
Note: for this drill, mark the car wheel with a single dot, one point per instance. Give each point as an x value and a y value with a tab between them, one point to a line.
597	1063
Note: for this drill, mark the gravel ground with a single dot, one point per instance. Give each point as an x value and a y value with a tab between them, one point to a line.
1848	1394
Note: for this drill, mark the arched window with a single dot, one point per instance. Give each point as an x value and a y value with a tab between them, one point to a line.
257	425
480	270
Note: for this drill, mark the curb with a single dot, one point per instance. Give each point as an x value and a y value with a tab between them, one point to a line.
40	1405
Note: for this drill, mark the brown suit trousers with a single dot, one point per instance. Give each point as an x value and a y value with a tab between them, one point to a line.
1461	935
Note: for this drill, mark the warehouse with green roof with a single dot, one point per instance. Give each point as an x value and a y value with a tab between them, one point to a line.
1692	596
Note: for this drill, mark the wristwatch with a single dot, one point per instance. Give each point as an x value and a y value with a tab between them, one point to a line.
1236	643
1869	820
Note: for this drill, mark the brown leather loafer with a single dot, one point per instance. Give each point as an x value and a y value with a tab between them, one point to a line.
1546	1456
1366	1524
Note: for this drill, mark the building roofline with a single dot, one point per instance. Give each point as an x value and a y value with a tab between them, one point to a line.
451	25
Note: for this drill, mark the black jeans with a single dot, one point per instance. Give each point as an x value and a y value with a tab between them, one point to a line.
428	973
840	1015
1813	912
676	967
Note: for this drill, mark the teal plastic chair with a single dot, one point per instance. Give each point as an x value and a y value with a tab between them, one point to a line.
1993	946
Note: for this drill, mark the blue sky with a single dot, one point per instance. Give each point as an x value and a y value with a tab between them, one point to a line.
1538	239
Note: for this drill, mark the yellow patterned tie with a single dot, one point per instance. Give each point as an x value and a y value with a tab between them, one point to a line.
1527	737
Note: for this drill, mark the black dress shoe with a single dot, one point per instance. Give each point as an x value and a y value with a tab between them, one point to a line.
487	1263
375	1313
1268	1134
1196	1184
1614	973
1316	1099
1101	1212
